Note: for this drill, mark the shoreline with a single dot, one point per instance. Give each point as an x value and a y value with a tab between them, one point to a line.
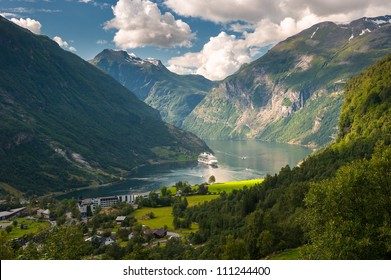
122	180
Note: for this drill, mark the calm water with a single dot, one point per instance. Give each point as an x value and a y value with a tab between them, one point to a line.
238	160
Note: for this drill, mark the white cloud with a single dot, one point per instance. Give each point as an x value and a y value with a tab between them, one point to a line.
140	23
60	42
28	23
261	22
224	10
221	55
255	10
72	49
102	42
64	44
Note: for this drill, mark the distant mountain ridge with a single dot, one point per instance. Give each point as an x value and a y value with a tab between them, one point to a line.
293	93
173	95
65	124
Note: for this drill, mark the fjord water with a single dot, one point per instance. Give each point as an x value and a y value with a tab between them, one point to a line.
238	160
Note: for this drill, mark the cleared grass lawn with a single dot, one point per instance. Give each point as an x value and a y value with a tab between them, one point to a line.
291	254
227	186
163	216
230	186
33	227
200	199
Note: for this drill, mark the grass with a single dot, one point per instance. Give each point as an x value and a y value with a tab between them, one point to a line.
230	186
227	186
291	254
200	199
163	215
34	227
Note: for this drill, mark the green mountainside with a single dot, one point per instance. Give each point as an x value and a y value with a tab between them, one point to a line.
293	93
64	123
336	205
174	96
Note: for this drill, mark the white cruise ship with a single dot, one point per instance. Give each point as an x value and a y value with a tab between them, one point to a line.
207	158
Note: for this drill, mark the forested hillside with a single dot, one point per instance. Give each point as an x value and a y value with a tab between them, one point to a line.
337	203
65	124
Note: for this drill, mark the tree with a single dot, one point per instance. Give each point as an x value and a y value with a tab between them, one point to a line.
212	179
89	211
203	189
65	243
6	251
348	216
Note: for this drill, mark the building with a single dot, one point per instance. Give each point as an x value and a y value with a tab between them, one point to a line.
14	213
108	201
44	213
120	219
87	203
159	233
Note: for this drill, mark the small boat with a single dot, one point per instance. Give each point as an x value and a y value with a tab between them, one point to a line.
207	158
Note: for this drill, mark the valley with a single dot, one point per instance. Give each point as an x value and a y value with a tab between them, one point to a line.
66	124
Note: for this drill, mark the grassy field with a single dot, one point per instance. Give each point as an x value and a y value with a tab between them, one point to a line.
292	254
33	227
163	217
227	186
230	186
200	199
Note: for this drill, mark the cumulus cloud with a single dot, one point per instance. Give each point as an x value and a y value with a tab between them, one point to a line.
255	10
60	42
260	22
64	44
140	23
28	23
221	55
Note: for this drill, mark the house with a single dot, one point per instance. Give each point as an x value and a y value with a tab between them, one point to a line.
13	213
120	219
109	241
159	233
86	204
45	213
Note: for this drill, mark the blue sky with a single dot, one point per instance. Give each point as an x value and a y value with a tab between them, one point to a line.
212	38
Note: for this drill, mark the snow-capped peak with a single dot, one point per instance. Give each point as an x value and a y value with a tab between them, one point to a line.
154	61
132	55
380	21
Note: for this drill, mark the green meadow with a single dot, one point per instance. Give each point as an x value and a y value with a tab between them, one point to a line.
227	187
33	227
163	215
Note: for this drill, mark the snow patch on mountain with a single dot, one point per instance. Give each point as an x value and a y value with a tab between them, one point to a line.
313	34
365	31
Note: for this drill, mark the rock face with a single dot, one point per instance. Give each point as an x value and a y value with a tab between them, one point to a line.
174	96
65	124
293	93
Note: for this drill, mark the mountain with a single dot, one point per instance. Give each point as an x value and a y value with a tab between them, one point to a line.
335	205
293	93
174	96
64	123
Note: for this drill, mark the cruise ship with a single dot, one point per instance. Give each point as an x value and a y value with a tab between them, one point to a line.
207	158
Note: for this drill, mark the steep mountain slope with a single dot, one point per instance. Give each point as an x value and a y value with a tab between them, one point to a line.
65	123
294	92
174	96
337	202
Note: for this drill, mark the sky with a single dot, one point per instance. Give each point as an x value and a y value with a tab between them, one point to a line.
212	38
